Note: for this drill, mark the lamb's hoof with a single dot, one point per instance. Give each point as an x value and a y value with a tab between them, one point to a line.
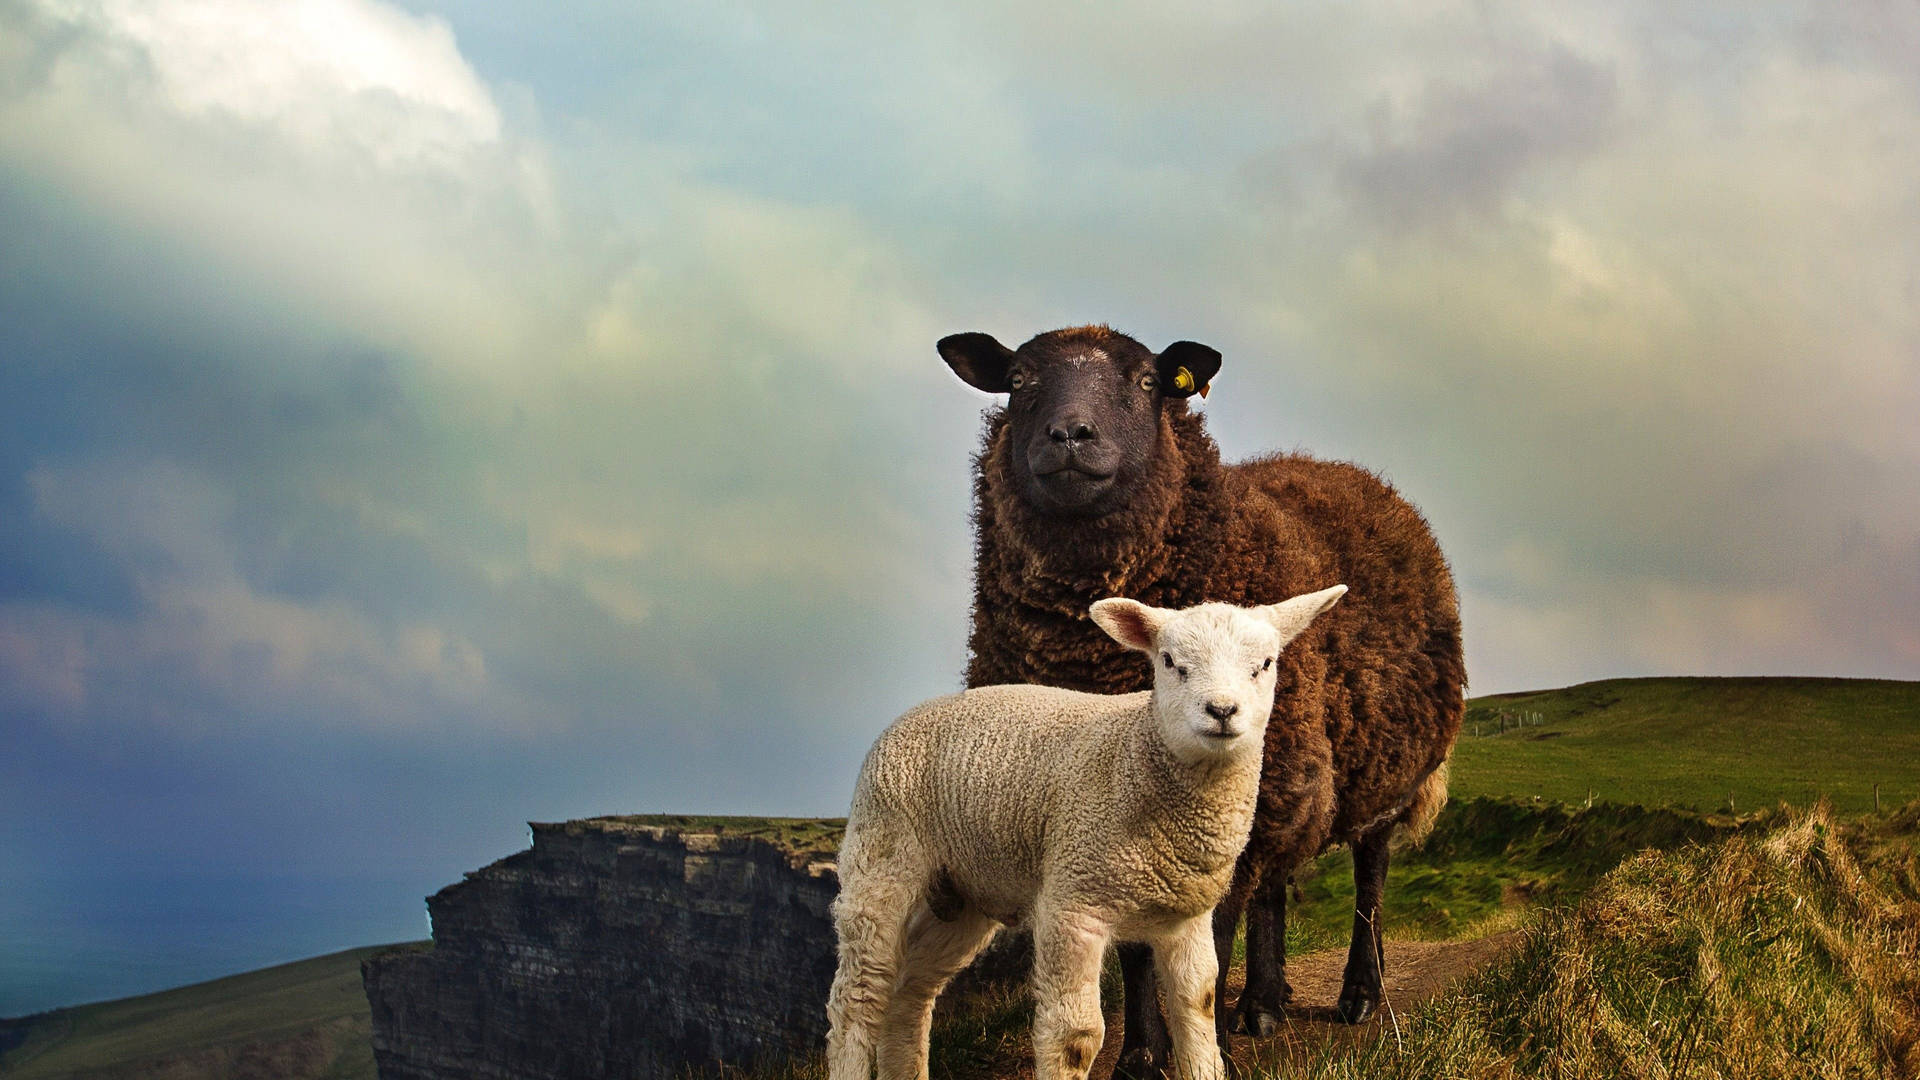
1355	1005
1139	1064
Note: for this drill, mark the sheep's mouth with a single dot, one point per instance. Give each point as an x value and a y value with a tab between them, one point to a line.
1071	490
1074	470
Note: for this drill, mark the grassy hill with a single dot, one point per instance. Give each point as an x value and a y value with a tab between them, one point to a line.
1786	951
1626	744
302	1020
1693	741
1490	861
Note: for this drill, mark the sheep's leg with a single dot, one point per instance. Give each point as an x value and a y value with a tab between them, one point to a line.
878	887
1189	974
1263	1003
1144	1047
1068	948
1360	990
935	952
1226	920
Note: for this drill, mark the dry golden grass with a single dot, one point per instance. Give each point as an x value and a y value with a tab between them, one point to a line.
1789	954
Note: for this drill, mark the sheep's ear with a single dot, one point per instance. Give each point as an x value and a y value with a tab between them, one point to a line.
1185	368
1291	617
979	359
1129	622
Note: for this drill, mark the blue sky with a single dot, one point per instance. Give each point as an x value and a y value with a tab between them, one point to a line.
418	419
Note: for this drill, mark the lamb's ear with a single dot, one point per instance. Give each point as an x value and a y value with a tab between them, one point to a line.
979	359
1129	622
1291	617
1185	368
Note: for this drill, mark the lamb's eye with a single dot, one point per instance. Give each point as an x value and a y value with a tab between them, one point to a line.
1267	663
1016	380
1167	659
1148	382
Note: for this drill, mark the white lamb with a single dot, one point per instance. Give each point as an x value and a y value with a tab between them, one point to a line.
1093	818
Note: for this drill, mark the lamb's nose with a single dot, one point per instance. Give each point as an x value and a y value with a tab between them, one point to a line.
1221	710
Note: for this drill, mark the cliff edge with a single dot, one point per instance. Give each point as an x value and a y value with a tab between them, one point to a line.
618	947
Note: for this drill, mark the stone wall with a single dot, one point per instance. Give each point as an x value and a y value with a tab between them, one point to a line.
617	947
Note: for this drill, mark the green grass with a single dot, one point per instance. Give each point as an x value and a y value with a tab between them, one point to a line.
1786	953
1490	860
305	1019
813	836
1693	741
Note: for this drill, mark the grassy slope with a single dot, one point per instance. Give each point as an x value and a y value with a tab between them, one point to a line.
1793	952
1488	862
310	1016
1691	741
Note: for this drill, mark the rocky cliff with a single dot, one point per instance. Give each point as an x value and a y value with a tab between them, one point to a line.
630	947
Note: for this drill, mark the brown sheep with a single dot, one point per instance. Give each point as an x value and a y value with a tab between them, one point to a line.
1096	480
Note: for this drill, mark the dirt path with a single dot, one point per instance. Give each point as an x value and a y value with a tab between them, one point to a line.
1415	971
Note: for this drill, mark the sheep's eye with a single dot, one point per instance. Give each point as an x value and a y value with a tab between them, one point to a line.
1183	673
1016	380
1148	382
1267	663
1167	659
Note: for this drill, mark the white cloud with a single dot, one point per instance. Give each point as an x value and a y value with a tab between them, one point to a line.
316	164
643	405
323	74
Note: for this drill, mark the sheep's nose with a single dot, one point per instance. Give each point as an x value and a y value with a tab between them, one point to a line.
1221	710
1072	431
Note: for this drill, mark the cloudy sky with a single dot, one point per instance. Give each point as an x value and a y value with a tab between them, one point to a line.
418	418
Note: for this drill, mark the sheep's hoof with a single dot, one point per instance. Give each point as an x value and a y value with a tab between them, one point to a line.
1259	1023
1139	1064
1260	1014
1356	1004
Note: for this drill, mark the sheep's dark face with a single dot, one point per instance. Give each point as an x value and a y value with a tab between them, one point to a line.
1083	409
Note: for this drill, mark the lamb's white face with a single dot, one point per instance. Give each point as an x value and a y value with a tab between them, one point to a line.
1213	679
1214	666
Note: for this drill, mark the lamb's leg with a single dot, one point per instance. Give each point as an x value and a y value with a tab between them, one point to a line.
1068	948
1360	991
935	952
1189	975
1144	1048
869	917
1263	1003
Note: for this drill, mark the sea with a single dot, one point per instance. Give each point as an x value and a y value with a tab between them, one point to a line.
123	938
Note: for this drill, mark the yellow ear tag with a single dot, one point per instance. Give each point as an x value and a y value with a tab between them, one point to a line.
1183	380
